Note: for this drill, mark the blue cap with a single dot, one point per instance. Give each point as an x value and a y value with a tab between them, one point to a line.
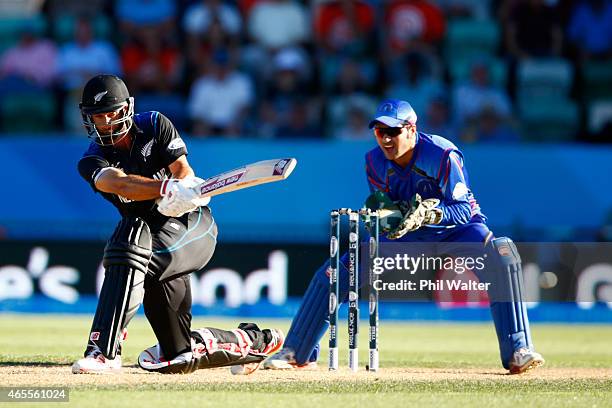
394	113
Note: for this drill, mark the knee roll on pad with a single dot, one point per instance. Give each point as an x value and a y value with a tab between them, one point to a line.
130	245
126	258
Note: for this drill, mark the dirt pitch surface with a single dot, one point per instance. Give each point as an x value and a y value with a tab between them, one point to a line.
34	375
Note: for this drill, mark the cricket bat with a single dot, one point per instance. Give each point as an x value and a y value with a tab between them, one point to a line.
254	174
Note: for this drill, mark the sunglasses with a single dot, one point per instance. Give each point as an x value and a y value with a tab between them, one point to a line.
388	131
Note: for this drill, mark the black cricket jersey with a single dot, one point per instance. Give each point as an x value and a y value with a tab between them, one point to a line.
155	145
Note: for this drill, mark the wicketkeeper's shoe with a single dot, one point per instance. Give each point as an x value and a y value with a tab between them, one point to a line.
95	363
275	342
524	360
285	360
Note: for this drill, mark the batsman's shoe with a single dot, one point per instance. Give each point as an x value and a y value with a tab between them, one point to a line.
275	343
95	363
524	360
285	360
152	359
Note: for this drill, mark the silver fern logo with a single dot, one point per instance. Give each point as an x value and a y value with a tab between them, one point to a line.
98	97
146	149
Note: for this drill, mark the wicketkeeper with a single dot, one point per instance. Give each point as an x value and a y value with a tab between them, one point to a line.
138	162
425	176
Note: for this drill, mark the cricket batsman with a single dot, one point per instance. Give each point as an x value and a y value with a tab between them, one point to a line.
138	162
426	176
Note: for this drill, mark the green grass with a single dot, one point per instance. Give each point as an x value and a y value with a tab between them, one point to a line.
49	340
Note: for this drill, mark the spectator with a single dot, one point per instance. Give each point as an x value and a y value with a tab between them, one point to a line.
358	113
200	16
533	30
345	26
438	120
200	49
286	88
277	24
219	100
299	123
590	29
133	15
79	60
84	57
471	98
352	90
413	26
150	63
490	127
415	82
32	61
274	25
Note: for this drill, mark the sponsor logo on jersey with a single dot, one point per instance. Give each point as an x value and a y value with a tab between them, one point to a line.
176	144
280	166
218	183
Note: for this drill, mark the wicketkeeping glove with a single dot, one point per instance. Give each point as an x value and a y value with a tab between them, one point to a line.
419	212
390	213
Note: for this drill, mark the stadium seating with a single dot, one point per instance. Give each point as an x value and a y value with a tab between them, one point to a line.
544	79
597	78
63	27
467	39
549	119
28	112
498	70
11	28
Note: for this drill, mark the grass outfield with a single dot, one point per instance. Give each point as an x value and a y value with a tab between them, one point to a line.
421	364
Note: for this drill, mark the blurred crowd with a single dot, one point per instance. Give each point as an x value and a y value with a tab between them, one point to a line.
474	70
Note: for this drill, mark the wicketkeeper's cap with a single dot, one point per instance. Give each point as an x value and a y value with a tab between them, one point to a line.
394	113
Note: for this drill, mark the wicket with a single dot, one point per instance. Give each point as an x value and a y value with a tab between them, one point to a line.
372	224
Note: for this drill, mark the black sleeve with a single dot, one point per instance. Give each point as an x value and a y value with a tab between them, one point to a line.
172	146
90	167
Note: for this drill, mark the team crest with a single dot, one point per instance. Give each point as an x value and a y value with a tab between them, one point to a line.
98	97
146	149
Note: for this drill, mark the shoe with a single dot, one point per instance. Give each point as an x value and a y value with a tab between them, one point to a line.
95	363
285	360
524	360
152	359
277	339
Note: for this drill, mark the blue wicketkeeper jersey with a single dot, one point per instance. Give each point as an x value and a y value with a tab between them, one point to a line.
436	171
